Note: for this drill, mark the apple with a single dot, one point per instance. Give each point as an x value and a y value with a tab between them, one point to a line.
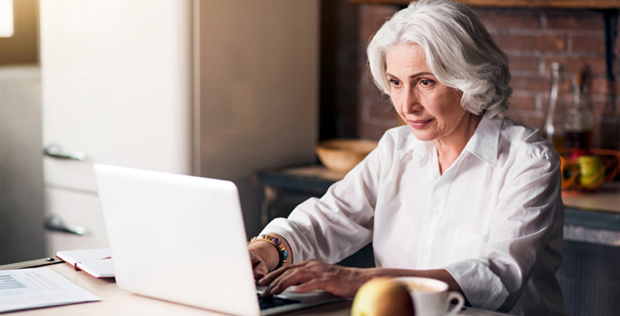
591	171
382	297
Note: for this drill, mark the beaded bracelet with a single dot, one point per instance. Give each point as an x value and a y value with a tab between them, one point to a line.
277	243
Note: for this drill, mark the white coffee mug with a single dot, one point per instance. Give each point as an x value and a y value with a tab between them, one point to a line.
431	297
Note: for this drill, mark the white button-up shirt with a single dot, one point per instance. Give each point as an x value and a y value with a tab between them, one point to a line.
493	219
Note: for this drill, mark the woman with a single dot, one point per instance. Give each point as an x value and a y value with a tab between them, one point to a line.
460	194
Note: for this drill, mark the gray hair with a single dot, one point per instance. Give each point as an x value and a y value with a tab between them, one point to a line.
458	49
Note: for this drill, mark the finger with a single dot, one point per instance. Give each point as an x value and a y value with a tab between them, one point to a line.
273	284
260	270
254	259
315	284
289	278
274	275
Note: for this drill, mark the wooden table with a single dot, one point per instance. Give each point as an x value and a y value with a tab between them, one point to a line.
117	302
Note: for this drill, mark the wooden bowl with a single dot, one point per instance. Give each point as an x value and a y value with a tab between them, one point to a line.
341	155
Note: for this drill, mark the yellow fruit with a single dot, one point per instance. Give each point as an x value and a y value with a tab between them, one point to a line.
382	297
592	171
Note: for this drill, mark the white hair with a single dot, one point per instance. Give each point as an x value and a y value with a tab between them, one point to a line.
458	49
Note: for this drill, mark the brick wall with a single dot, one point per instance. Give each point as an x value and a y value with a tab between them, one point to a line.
533	39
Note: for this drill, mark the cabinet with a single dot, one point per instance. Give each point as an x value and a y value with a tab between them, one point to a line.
202	87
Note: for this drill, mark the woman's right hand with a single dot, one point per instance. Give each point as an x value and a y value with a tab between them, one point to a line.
264	256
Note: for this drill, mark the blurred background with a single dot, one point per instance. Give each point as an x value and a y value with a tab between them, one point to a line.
226	89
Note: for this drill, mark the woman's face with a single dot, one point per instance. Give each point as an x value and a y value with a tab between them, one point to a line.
431	109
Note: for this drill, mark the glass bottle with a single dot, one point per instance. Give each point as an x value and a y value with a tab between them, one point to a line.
579	120
552	129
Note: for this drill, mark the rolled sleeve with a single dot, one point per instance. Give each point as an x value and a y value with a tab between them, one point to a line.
482	287
339	223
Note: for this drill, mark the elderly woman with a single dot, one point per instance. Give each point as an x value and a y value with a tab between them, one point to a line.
460	194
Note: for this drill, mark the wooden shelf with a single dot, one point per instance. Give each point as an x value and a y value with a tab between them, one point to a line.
570	4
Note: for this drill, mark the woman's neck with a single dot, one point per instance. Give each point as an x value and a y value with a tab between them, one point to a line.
449	148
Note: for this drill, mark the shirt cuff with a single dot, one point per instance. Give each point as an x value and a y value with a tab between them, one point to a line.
482	287
287	230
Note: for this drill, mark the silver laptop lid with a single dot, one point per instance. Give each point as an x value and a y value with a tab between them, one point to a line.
178	238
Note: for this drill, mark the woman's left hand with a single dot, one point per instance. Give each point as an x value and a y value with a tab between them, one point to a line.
315	275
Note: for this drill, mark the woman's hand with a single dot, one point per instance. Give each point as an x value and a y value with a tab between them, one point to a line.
315	275
264	258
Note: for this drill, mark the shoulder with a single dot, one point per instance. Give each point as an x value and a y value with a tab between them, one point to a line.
527	140
525	146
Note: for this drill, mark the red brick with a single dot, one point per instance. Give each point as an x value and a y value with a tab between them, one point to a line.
509	19
575	21
530	83
532	42
565	86
617	87
373	131
600	108
562	103
565	98
522	103
590	44
524	63
369	91
599	86
372	18
593	65
533	119
382	110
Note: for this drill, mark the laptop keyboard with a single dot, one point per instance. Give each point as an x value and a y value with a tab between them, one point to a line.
274	301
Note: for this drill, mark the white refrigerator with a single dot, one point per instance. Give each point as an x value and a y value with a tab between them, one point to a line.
205	87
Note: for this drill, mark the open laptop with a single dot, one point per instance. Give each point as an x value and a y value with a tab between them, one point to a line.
182	239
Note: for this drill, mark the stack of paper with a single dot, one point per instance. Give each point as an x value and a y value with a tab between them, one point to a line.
35	288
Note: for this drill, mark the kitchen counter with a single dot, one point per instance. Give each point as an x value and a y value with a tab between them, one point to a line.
593	217
605	199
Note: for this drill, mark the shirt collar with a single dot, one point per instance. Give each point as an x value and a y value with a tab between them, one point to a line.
483	144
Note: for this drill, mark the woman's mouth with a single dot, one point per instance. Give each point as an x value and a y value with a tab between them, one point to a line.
419	124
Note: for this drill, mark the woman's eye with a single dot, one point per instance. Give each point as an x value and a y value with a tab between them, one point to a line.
426	82
394	82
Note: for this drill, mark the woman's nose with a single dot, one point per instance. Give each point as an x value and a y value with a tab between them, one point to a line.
410	102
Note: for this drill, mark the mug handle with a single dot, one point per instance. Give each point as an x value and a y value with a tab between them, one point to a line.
457	308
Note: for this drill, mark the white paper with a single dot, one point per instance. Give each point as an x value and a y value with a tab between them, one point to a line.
34	288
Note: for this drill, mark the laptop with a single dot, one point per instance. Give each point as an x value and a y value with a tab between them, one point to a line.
182	239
